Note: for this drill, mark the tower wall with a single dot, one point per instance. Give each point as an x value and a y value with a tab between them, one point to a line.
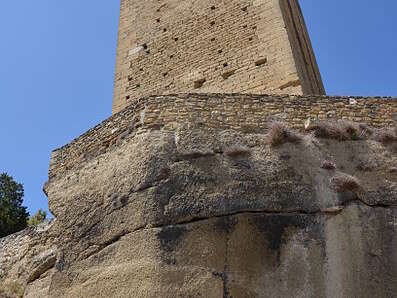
208	46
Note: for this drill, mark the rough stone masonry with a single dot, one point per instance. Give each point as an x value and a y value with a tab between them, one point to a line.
196	211
186	195
245	46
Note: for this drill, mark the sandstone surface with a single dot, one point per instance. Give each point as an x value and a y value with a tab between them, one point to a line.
27	260
200	212
189	195
205	212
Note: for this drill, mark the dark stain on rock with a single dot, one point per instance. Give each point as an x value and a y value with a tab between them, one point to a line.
223	276
163	193
274	228
285	156
124	200
225	224
60	263
169	238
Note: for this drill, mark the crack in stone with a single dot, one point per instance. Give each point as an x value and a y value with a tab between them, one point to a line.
122	234
133	191
112	241
225	277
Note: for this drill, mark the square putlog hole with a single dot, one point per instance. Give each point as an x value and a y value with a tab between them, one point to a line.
228	74
261	62
199	83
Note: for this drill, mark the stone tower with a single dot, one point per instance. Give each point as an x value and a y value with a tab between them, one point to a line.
213	46
194	194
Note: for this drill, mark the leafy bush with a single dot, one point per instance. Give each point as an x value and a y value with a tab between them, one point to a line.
39	217
13	216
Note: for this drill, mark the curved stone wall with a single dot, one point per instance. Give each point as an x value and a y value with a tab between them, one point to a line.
241	112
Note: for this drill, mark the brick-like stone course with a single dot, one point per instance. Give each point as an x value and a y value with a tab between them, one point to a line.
244	112
251	46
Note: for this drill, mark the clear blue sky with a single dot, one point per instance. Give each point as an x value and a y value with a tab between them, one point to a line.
57	64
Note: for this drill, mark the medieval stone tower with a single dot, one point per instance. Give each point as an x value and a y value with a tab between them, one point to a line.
212	46
190	189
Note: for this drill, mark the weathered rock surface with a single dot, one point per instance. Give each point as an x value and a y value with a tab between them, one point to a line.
26	262
199	212
175	214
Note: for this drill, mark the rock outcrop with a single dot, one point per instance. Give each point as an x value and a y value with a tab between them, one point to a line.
27	260
204	212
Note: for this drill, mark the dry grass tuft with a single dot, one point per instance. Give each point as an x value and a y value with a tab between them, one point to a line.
328	130
279	134
237	151
328	165
385	135
341	130
344	182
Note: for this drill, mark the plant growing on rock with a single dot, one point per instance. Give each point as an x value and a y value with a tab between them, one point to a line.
328	165
39	217
386	135
344	182
341	130
279	134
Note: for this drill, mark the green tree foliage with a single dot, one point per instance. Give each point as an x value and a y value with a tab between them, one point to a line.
13	216
39	217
